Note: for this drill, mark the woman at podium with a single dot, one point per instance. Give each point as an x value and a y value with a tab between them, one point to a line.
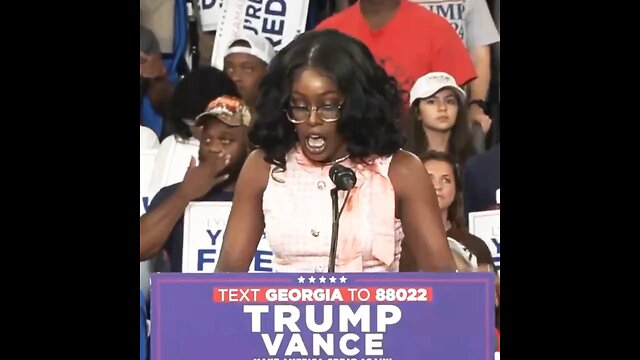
325	101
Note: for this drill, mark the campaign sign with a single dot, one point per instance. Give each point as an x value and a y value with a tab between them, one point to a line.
354	316
278	21
210	11
147	162
204	225
486	226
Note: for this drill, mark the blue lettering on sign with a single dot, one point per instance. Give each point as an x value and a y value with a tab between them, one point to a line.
280	8
203	257
213	236
259	261
145	203
496	259
253	10
252	13
275	12
274	26
497	244
206	5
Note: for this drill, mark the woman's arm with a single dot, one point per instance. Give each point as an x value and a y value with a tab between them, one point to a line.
419	213
246	219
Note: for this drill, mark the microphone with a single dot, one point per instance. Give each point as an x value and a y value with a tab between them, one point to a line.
343	177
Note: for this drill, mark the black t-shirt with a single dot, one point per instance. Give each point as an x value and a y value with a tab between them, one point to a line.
173	246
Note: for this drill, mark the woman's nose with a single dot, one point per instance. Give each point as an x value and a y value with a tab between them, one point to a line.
314	118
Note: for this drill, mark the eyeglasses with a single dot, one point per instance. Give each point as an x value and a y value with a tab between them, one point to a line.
300	114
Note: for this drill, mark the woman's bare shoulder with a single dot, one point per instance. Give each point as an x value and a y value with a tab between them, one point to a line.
403	168
255	171
257	158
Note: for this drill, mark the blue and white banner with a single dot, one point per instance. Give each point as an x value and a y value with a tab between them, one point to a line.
486	225
204	225
147	162
348	316
210	11
280	21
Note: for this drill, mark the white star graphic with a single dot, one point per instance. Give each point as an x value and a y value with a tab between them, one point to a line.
332	279
322	279
301	280
343	279
312	279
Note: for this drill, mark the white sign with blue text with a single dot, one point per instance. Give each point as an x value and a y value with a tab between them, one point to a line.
210	11
147	162
279	21
204	225
486	226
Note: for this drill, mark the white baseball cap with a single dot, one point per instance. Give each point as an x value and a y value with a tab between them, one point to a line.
260	47
433	82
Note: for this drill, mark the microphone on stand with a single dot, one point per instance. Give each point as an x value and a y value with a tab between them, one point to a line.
344	179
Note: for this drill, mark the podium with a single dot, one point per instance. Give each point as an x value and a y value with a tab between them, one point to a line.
347	316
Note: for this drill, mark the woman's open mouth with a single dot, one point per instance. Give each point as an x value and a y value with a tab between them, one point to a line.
315	143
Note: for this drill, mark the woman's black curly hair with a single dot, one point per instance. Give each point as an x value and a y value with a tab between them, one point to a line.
369	120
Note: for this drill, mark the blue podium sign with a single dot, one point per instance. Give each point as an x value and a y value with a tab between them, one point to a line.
342	316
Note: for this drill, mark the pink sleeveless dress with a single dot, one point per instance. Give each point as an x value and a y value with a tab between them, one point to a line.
297	214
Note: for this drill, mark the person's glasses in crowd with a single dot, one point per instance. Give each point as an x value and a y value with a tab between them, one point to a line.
300	114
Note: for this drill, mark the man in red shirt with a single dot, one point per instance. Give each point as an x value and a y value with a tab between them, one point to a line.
408	40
